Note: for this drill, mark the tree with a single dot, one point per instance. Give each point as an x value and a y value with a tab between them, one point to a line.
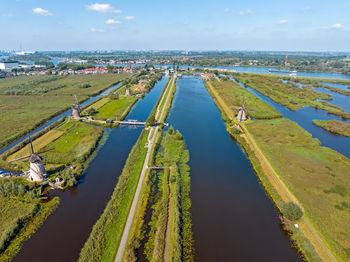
91	111
292	211
110	68
151	121
69	177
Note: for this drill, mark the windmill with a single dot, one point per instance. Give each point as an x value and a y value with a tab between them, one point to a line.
36	169
76	109
127	91
242	113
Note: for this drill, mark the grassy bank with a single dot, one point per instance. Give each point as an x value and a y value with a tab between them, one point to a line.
137	231
73	142
289	94
292	166
317	176
113	108
334	126
233	95
20	217
21	112
170	237
107	232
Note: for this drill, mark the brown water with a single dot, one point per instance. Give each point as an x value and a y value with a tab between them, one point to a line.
233	219
63	234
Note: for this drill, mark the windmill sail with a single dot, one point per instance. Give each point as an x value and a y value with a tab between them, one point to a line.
19	159
242	111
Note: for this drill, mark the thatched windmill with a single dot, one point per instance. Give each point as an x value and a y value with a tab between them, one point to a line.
36	169
242	113
76	109
128	91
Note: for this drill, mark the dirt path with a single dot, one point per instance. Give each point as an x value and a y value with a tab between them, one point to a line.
276	182
151	137
286	195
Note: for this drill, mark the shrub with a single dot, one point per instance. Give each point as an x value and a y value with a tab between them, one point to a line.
84	86
292	211
91	111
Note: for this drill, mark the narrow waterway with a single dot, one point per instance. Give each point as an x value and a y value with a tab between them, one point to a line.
305	115
233	219
56	118
63	234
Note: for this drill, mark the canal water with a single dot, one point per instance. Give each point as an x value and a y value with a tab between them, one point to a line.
64	233
305	115
265	70
56	118
233	219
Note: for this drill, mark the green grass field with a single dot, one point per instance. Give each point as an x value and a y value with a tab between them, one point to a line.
172	198
74	145
21	113
317	176
233	94
115	108
106	234
289	94
12	212
73	142
25	218
334	126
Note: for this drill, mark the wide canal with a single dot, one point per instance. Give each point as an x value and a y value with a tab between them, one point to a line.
63	234
233	219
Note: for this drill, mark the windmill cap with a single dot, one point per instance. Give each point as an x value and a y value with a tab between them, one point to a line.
34	158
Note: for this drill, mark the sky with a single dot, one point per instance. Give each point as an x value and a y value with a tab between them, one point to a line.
298	25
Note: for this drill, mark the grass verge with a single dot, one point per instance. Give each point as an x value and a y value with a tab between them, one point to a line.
107	232
27	229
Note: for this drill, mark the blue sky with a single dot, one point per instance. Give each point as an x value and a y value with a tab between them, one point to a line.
305	25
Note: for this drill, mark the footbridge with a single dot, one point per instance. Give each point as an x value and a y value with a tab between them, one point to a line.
136	123
131	123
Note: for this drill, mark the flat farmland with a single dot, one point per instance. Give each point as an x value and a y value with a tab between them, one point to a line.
40	98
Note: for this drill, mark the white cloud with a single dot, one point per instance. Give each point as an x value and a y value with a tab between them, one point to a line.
113	22
337	26
102	8
41	11
246	12
96	30
283	21
129	17
227	10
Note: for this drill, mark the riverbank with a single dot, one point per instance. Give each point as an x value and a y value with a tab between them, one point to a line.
290	94
334	126
24	227
170	229
234	95
133	174
277	194
25	112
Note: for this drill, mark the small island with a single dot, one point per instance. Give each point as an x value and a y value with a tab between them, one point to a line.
334	126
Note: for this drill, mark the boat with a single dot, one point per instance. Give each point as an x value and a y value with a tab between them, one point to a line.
283	71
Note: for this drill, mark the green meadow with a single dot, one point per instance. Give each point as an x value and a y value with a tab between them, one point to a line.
233	95
334	126
22	112
317	176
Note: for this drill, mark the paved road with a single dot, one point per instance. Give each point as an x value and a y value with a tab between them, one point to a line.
128	224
